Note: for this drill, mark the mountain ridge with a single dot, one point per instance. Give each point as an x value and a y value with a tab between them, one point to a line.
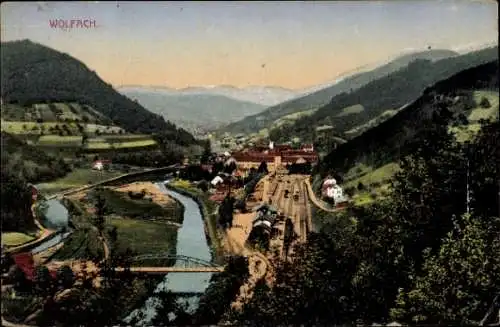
195	111
386	141
321	97
32	72
262	95
387	93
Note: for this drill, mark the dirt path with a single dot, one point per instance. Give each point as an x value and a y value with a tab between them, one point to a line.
234	242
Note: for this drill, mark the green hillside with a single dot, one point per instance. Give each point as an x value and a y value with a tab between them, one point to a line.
28	162
317	99
47	84
380	98
371	158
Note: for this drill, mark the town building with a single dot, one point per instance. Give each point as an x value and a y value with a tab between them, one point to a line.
332	191
273	153
100	164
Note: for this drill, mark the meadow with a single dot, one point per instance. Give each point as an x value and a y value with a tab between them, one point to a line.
77	178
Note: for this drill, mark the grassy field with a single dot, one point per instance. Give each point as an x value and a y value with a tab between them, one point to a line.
60	141
82	244
77	178
368	175
292	117
55	136
31	127
15	238
120	204
371	123
98	144
357	108
465	133
376	182
144	237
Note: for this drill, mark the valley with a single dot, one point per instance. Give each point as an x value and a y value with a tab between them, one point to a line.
189	173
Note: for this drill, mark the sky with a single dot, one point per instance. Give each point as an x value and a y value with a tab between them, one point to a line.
289	44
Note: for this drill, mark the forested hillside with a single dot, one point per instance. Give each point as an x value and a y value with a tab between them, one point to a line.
323	96
389	141
29	163
372	100
33	73
23	164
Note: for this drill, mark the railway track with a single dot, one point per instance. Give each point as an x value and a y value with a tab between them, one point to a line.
304	214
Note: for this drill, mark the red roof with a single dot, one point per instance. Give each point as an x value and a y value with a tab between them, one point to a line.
27	264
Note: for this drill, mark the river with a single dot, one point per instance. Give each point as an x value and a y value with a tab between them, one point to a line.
191	242
56	217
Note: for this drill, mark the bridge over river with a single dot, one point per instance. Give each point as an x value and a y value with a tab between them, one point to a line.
184	264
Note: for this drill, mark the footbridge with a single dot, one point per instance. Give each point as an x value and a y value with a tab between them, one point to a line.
152	264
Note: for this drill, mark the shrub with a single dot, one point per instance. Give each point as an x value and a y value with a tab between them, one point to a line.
485	103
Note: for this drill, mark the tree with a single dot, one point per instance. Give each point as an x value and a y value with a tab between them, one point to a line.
203	185
18	278
100	211
229	168
207	152
226	209
458	282
485	103
113	234
262	168
221	292
43	281
65	277
16	203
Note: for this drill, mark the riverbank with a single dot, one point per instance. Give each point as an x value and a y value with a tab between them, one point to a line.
143	226
43	234
209	215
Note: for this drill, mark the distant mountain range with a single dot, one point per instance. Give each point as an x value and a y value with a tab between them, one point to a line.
191	109
262	95
318	96
351	113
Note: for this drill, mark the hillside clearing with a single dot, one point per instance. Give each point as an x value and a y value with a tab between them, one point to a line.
369	175
144	237
354	109
77	178
484	113
55	140
15	238
372	122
